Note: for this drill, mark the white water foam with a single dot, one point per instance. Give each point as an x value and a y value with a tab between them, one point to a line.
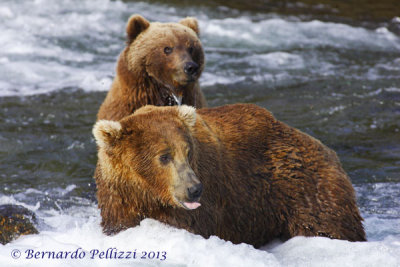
51	45
186	249
277	33
77	228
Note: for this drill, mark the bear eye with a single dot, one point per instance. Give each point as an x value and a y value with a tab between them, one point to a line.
189	154
190	50
166	158
167	50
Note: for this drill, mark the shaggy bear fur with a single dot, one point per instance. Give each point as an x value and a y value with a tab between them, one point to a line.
233	171
160	61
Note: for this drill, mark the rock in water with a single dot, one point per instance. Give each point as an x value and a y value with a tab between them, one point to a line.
15	220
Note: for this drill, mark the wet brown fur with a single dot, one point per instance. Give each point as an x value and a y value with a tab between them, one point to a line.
144	71
262	178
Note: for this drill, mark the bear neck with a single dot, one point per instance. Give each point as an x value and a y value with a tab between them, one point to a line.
135	85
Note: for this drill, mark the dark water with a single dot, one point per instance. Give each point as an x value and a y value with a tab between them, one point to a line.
46	141
331	69
351	11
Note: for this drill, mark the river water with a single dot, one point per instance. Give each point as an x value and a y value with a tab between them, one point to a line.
326	70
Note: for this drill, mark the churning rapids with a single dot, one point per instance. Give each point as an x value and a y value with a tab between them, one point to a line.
337	81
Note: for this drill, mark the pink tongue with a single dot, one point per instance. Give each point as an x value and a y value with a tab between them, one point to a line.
193	205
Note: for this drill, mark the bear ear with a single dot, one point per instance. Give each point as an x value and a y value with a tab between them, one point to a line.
191	23
106	132
187	114
136	24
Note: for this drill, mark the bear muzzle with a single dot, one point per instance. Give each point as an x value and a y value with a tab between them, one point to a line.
185	75
193	196
189	189
191	68
195	191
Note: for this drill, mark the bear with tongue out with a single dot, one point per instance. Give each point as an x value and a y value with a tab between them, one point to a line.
160	65
232	171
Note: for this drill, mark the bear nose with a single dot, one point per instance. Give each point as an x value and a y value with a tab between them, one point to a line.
195	191
191	68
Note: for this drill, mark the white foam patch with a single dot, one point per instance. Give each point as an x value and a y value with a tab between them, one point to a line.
392	90
318	251
93	83
276	60
11	200
5	12
284	34
208	79
379	229
384	70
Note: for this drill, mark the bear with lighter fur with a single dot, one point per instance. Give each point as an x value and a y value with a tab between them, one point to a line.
233	171
160	65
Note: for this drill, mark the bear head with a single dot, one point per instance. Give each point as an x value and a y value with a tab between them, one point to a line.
151	151
171	54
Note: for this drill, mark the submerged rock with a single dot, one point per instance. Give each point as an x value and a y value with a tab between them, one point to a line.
15	220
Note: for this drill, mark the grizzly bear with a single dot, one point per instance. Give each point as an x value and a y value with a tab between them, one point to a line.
233	171
160	65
